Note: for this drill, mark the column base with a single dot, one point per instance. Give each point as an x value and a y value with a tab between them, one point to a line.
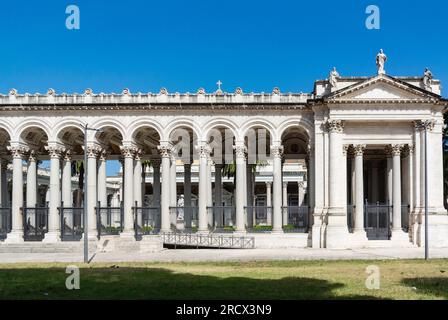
336	233
52	237
358	238
399	236
127	235
277	231
14	237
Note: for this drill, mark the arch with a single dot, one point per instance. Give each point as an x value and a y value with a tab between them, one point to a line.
143	123
64	124
35	123
178	124
303	123
258	123
7	126
220	122
110	122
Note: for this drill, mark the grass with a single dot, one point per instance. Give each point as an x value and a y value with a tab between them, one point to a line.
400	279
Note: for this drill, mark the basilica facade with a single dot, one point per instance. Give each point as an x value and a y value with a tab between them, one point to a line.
341	167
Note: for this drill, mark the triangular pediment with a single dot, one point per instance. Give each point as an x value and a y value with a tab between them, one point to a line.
381	88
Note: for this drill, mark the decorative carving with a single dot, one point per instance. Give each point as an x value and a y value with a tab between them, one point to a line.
88	92
32	155
93	151
276	91
381	59
51	92
204	150
67	156
219	90
55	151
277	151
427	80
128	151
345	149
156	162
358	149
424	124
201	91
239	91
18	151
13	92
335	126
165	150
126	92
411	149
163	91
103	154
333	77
395	149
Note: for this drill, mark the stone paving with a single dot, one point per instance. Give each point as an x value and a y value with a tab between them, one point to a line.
201	255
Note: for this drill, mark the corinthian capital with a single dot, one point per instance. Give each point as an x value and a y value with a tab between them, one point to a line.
358	149
335	126
203	150
128	151
165	150
55	151
277	150
93	151
18	151
240	149
396	149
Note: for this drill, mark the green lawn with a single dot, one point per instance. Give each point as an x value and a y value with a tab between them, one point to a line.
400	279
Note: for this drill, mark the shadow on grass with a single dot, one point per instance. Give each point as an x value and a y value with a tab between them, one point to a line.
159	283
437	286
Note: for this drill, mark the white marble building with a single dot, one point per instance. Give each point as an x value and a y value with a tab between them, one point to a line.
343	167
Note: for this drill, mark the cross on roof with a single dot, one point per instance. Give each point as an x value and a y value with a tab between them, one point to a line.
219	83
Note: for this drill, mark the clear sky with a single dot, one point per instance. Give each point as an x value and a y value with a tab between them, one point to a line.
184	45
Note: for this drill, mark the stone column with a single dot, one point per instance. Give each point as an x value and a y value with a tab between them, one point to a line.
31	180
67	196
240	188
277	152
209	191
301	193
358	229
4	192
204	152
389	193
102	188
219	218
397	231
16	234
285	203
92	155
156	182
269	202
337	230
128	152
310	182
353	180
53	234
173	182
165	150
187	195
138	179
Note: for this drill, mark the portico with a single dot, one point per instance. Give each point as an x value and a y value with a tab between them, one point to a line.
341	167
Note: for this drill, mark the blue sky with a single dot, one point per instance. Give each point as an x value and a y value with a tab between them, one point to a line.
184	45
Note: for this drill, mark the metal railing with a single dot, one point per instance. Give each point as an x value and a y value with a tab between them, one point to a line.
5	222
261	215
109	220
377	221
146	220
207	241
298	219
35	223
72	223
224	218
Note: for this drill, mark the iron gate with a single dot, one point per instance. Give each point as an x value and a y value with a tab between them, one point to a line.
377	221
35	222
